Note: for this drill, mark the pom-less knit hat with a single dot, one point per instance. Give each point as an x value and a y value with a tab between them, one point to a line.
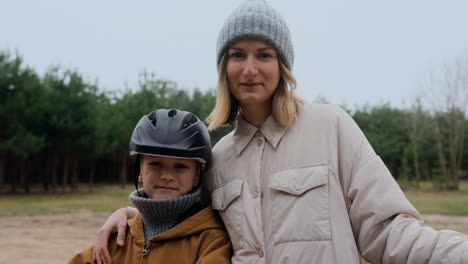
255	18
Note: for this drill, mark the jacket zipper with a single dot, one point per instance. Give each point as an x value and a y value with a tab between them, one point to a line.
144	251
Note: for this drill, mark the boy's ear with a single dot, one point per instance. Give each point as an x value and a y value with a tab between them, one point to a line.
140	178
197	177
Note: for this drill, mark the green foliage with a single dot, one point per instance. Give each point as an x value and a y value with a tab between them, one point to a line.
21	108
439	180
385	129
51	121
406	142
405	180
71	111
66	124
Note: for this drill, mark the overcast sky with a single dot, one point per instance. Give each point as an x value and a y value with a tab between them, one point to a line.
349	52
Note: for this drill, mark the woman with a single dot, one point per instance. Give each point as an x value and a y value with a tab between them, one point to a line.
299	183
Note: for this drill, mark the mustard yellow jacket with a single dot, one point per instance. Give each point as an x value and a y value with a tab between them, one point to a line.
201	239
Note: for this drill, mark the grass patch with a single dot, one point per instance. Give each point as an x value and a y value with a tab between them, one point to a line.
104	198
108	198
430	201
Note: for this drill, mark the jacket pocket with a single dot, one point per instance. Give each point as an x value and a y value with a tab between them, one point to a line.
300	210
224	195
225	199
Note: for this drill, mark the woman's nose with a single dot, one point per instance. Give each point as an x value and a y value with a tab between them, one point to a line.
250	67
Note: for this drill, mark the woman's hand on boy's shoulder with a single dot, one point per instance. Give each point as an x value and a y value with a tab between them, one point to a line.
117	222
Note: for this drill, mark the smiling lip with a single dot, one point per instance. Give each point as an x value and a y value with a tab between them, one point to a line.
164	187
250	84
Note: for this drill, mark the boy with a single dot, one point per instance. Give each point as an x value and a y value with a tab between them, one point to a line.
173	225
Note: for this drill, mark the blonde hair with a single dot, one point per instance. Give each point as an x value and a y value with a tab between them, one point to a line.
285	102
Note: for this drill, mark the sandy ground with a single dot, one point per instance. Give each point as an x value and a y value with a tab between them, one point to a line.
47	239
55	239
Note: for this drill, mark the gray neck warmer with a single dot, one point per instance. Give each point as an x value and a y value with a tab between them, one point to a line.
161	215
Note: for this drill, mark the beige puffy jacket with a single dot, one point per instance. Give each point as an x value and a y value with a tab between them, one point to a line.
316	192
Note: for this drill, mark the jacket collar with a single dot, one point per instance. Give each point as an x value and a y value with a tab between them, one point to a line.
136	227
244	131
205	219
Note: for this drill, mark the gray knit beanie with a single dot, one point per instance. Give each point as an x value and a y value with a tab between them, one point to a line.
255	18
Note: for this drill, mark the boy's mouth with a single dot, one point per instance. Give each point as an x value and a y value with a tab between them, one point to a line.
165	187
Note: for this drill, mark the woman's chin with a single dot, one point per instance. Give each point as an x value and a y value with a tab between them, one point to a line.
251	100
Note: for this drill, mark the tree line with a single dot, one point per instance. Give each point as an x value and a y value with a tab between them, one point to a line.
59	130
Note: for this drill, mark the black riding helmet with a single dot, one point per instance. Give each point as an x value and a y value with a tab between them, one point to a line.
170	133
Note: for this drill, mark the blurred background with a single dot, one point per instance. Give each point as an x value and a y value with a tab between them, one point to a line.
76	76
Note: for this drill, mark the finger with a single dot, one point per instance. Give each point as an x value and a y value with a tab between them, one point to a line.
104	253
101	257
122	228
105	256
102	237
96	257
98	260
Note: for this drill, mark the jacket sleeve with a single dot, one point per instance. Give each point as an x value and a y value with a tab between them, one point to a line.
386	227
218	250
131	212
84	257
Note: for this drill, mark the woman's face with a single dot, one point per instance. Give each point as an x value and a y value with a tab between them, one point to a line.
252	71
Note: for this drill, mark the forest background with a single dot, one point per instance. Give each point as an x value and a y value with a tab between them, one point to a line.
60	130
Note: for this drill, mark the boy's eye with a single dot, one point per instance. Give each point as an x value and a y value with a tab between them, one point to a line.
155	163
181	166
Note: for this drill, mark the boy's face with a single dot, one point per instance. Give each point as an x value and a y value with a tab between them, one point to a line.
165	177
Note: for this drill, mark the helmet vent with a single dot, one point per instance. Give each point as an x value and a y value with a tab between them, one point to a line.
152	118
172	113
189	120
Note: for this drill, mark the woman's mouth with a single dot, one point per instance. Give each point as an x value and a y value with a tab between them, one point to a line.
250	84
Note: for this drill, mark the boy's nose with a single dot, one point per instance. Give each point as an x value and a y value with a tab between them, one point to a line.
166	176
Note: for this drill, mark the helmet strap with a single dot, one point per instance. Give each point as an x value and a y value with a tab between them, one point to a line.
200	167
201	171
137	173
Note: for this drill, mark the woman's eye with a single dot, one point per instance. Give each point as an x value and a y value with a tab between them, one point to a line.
236	55
265	55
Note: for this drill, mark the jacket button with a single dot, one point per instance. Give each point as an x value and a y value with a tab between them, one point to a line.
260	253
297	187
259	142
